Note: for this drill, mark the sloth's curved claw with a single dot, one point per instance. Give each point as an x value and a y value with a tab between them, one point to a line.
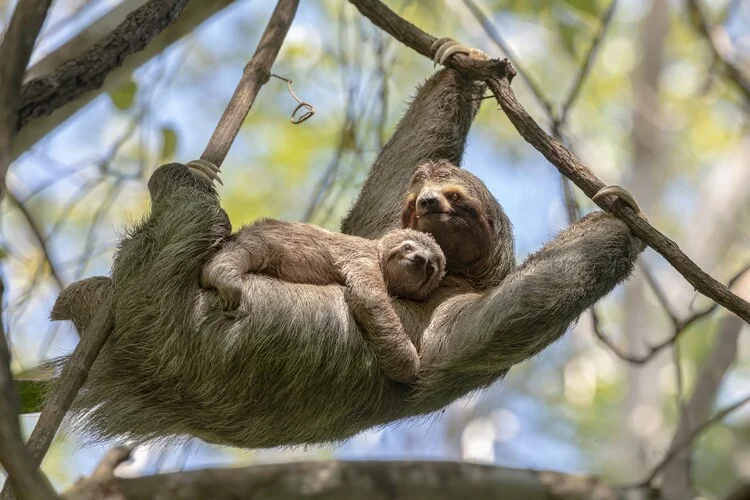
445	47
205	169
622	193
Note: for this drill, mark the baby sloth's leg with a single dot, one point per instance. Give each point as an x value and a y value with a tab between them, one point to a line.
371	306
241	255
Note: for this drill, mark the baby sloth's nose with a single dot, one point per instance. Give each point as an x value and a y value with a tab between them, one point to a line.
419	258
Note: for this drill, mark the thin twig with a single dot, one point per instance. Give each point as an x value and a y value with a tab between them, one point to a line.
691	437
498	80
680	327
40	237
734	73
496	37
577	85
256	74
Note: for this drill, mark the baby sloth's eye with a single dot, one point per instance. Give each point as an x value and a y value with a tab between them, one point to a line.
454	196
412	204
407	248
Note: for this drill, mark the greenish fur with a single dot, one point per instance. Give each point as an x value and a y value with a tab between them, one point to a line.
292	367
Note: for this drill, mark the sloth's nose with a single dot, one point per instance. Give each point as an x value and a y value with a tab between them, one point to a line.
429	201
419	258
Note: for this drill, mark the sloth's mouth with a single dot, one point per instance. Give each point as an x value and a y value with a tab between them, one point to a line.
433	212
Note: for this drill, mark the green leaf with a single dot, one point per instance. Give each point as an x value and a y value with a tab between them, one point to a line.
31	393
124	96
32	386
168	142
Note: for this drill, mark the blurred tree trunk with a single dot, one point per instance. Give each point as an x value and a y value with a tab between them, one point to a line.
648	174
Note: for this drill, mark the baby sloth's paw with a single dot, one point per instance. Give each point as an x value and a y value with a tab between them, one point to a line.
402	367
205	170
445	47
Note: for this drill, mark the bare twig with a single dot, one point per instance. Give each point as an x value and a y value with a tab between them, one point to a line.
498	80
100	485
676	484
40	237
577	85
496	37
733	72
678	447
680	326
256	74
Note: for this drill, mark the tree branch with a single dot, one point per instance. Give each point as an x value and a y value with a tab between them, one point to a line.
44	94
73	376
194	14
255	75
15	51
365	480
556	153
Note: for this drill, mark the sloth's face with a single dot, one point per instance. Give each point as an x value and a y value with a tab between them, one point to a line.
412	270
444	201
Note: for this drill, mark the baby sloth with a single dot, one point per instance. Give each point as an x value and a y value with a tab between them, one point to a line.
404	263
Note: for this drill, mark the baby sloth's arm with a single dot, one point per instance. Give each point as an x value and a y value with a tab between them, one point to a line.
298	253
240	255
371	307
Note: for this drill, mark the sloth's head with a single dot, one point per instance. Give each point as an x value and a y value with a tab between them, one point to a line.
468	223
412	263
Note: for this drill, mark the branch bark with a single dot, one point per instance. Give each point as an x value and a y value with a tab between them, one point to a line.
43	95
15	51
194	14
71	379
557	154
365	480
255	75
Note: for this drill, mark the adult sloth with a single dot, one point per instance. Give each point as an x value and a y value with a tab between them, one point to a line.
291	366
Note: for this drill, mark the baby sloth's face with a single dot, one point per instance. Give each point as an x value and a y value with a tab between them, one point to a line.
413	265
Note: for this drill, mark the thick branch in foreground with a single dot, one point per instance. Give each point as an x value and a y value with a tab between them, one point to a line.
334	480
256	74
15	51
557	154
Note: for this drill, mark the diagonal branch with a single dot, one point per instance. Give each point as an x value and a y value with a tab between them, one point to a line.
43	95
557	154
15	51
193	15
256	74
